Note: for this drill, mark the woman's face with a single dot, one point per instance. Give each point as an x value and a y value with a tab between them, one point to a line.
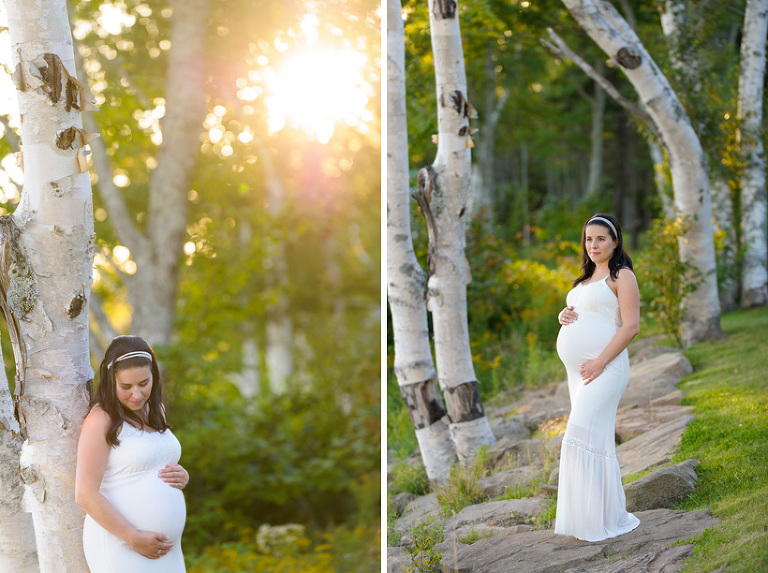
599	244
134	386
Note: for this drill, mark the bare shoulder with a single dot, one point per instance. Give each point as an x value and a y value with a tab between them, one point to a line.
626	276
97	420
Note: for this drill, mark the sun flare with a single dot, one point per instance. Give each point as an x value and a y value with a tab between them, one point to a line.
314	90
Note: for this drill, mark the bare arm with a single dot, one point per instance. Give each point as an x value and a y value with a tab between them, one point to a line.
92	452
629	307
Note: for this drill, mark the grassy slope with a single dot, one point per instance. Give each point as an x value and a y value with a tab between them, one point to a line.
729	390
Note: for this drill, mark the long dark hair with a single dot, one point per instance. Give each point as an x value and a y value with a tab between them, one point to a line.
106	394
620	258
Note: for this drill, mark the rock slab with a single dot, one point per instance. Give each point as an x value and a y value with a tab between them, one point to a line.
545	552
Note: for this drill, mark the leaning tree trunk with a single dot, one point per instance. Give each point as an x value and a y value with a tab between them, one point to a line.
754	214
443	193
46	260
690	176
406	281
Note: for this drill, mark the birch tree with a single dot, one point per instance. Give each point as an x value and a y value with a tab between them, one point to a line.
18	553
406	280
156	250
690	174
754	211
443	192
681	22
47	255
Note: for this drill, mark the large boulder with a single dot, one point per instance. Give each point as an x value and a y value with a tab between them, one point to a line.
651	449
663	488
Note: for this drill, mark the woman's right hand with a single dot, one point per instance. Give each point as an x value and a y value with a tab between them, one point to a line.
151	545
567	316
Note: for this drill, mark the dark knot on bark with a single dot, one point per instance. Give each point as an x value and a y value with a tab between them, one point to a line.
628	59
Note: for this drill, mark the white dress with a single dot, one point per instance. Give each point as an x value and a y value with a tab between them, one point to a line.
590	500
132	486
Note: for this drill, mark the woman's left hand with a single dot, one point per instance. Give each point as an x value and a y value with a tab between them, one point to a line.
591	369
175	476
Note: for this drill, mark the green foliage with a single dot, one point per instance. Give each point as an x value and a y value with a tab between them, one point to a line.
664	279
423	557
462	488
729	392
409	478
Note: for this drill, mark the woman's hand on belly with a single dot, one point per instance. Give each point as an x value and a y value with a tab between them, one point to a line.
591	369
567	316
150	544
174	475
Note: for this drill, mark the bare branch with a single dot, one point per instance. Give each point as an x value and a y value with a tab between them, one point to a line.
559	47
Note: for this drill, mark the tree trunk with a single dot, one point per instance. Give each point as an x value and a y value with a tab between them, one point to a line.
406	281
597	102
152	290
48	251
754	214
443	192
17	533
723	210
690	176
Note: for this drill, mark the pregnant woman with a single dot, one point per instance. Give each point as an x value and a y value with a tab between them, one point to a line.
128	478
602	317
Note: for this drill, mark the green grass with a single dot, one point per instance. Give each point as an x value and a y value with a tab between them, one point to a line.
729	392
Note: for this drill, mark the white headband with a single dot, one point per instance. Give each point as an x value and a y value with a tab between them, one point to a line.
135	354
615	234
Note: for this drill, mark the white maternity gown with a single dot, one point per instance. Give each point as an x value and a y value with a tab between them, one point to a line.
590	500
132	486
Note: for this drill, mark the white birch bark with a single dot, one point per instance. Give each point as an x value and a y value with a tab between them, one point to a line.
18	553
443	192
754	211
690	174
49	254
406	281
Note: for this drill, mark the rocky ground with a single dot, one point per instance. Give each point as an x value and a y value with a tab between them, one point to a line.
502	536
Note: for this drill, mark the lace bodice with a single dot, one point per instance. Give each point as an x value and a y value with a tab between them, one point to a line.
595	297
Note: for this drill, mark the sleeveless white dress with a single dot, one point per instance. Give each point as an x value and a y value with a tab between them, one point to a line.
590	500
132	486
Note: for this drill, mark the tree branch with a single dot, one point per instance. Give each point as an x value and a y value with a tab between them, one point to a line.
559	47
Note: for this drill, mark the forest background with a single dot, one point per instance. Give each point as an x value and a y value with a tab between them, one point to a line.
552	149
272	363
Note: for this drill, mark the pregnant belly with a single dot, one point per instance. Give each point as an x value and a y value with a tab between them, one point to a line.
584	339
149	504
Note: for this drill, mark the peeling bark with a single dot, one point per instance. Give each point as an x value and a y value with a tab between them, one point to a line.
48	255
406	281
448	183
